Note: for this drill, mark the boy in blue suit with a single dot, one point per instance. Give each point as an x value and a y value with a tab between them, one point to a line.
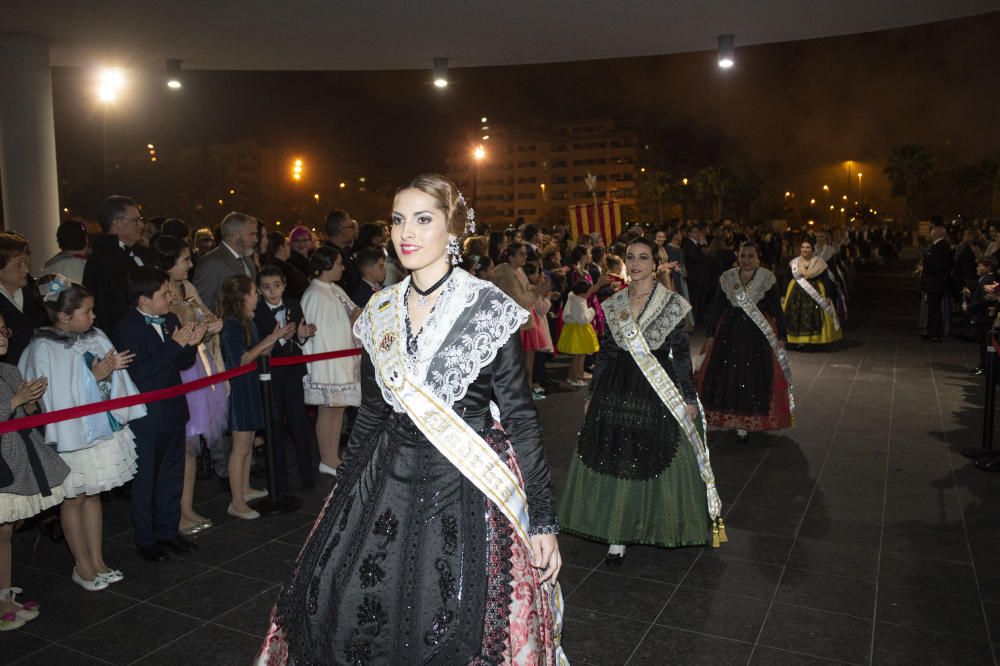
162	348
287	393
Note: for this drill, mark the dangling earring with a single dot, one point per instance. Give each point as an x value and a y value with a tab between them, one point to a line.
453	252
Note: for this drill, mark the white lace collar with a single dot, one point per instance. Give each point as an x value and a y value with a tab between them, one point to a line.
756	289
472	319
664	312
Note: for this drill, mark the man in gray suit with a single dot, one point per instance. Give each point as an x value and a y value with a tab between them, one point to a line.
232	257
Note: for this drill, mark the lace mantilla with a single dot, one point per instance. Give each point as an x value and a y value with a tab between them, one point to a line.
665	310
758	287
471	321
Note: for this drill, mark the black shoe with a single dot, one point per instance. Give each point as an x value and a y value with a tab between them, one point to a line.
179	545
154	552
975	372
614	561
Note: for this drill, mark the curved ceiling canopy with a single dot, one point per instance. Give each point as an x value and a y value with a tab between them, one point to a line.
403	34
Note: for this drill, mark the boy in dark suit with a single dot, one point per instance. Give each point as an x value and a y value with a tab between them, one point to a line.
371	263
287	395
162	348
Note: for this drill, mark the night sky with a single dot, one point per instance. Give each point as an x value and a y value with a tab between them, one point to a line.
795	111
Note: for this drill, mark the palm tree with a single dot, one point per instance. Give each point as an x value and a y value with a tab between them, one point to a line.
909	169
658	190
713	183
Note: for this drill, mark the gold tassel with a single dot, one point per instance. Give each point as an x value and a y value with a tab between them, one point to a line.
722	532
715	534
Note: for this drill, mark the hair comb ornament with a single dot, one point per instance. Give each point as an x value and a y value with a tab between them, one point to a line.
470	215
50	290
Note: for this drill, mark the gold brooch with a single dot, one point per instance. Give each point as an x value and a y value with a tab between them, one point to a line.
387	341
384	304
624	315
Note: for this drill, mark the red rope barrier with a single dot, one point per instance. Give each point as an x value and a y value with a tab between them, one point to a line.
45	418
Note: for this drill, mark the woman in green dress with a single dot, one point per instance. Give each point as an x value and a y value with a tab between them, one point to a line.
641	473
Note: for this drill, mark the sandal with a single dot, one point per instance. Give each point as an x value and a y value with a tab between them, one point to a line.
9	621
26	611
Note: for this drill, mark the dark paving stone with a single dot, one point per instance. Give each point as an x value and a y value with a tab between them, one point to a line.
210	644
621	595
217	546
40	585
714	613
209	595
271	526
933	611
906	646
766	656
271	563
817	633
298	536
748	579
836	559
254	616
581	552
668	565
145	579
76	610
847	532
763	521
753	546
836	594
570	577
17	644
927	574
936	545
57	655
596	638
665	645
131	634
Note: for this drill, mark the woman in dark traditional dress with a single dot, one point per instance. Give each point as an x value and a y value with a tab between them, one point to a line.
438	544
810	315
641	472
743	382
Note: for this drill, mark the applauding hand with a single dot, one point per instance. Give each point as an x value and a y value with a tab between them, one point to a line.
29	392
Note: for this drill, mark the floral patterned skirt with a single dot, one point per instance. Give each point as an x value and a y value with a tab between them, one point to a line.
409	563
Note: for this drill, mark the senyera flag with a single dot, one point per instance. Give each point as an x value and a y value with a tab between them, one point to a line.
607	220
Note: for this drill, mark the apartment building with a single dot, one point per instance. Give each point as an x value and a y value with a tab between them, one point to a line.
536	170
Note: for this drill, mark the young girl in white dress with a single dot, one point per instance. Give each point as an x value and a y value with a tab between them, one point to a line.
333	384
83	367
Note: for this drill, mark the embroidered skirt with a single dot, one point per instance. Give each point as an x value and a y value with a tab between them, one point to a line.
634	478
806	322
740	382
409	563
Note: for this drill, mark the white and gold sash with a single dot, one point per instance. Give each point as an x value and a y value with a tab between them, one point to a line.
628	333
746	298
825	303
449	433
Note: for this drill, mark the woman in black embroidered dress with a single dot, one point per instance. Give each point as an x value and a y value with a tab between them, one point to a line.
409	563
741	381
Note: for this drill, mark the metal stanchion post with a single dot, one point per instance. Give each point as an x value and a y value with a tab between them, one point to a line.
273	503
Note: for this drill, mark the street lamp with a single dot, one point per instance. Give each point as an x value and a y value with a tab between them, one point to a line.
479	154
727	51
859	185
297	168
110	82
441	72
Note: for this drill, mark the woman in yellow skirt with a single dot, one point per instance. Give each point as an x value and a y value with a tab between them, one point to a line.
578	337
810	315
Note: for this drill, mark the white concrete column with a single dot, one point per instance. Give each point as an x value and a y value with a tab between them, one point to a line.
28	175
